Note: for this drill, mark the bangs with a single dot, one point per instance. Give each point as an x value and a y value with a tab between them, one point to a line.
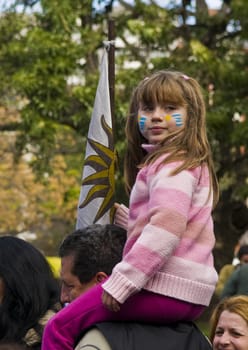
160	90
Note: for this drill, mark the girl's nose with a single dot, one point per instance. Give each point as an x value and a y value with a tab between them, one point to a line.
158	114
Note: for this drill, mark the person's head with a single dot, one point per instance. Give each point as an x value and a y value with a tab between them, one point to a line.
229	324
88	256
167	109
243	254
27	288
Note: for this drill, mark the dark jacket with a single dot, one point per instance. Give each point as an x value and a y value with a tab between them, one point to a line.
137	336
237	283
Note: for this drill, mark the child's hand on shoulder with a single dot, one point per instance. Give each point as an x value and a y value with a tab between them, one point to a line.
109	302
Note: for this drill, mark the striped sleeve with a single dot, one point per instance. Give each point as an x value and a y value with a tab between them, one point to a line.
169	201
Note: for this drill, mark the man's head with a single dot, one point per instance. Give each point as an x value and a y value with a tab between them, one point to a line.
88	256
243	254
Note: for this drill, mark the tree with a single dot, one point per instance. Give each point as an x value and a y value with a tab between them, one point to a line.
49	71
45	207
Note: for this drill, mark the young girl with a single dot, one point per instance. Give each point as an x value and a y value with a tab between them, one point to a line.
167	271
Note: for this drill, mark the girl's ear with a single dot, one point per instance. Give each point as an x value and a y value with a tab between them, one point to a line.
100	277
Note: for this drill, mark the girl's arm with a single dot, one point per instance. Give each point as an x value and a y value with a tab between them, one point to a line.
162	202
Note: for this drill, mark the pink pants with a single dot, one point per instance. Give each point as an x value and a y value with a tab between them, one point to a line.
63	330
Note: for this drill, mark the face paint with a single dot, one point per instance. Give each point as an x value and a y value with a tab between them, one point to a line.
142	121
176	116
178	119
167	117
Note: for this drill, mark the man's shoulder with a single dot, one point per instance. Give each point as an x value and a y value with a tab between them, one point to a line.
93	339
131	335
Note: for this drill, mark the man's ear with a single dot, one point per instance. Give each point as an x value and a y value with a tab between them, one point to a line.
100	277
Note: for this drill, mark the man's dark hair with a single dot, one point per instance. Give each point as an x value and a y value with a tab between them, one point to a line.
242	251
95	248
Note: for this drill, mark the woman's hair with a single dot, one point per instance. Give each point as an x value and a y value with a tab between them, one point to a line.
30	289
188	144
236	304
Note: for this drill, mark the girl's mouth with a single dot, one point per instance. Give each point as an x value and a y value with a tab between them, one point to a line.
157	128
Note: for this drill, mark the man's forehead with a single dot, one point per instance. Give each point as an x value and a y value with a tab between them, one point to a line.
66	266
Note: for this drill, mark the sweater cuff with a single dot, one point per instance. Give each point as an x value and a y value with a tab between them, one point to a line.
119	287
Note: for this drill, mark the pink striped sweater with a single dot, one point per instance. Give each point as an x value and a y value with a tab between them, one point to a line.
170	237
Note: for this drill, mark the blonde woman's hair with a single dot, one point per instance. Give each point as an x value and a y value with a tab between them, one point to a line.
236	304
188	144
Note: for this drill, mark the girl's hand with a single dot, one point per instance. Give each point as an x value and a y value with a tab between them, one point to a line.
121	215
109	302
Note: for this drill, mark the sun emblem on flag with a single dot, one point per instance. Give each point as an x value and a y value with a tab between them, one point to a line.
102	180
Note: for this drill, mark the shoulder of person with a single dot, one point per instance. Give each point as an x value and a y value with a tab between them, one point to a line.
228	268
134	335
93	339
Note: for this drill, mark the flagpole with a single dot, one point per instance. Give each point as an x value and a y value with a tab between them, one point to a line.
111	57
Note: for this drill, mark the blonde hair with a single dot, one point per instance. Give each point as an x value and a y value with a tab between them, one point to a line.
189	144
236	304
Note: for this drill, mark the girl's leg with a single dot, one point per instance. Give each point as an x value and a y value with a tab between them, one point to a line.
64	328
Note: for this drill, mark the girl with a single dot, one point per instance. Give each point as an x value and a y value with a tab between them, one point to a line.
167	271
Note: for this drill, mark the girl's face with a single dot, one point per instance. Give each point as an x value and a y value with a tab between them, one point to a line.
155	124
231	332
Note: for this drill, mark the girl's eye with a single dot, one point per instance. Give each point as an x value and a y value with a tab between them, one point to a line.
170	108
147	108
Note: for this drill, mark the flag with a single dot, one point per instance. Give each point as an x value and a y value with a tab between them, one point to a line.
97	190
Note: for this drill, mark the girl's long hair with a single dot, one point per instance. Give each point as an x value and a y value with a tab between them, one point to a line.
30	289
189	144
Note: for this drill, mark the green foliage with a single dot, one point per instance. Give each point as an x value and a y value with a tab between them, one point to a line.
49	63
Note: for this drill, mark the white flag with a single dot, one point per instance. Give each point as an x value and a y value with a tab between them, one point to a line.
97	191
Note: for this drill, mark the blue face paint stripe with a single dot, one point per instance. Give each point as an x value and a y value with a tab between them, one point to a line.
142	122
178	119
